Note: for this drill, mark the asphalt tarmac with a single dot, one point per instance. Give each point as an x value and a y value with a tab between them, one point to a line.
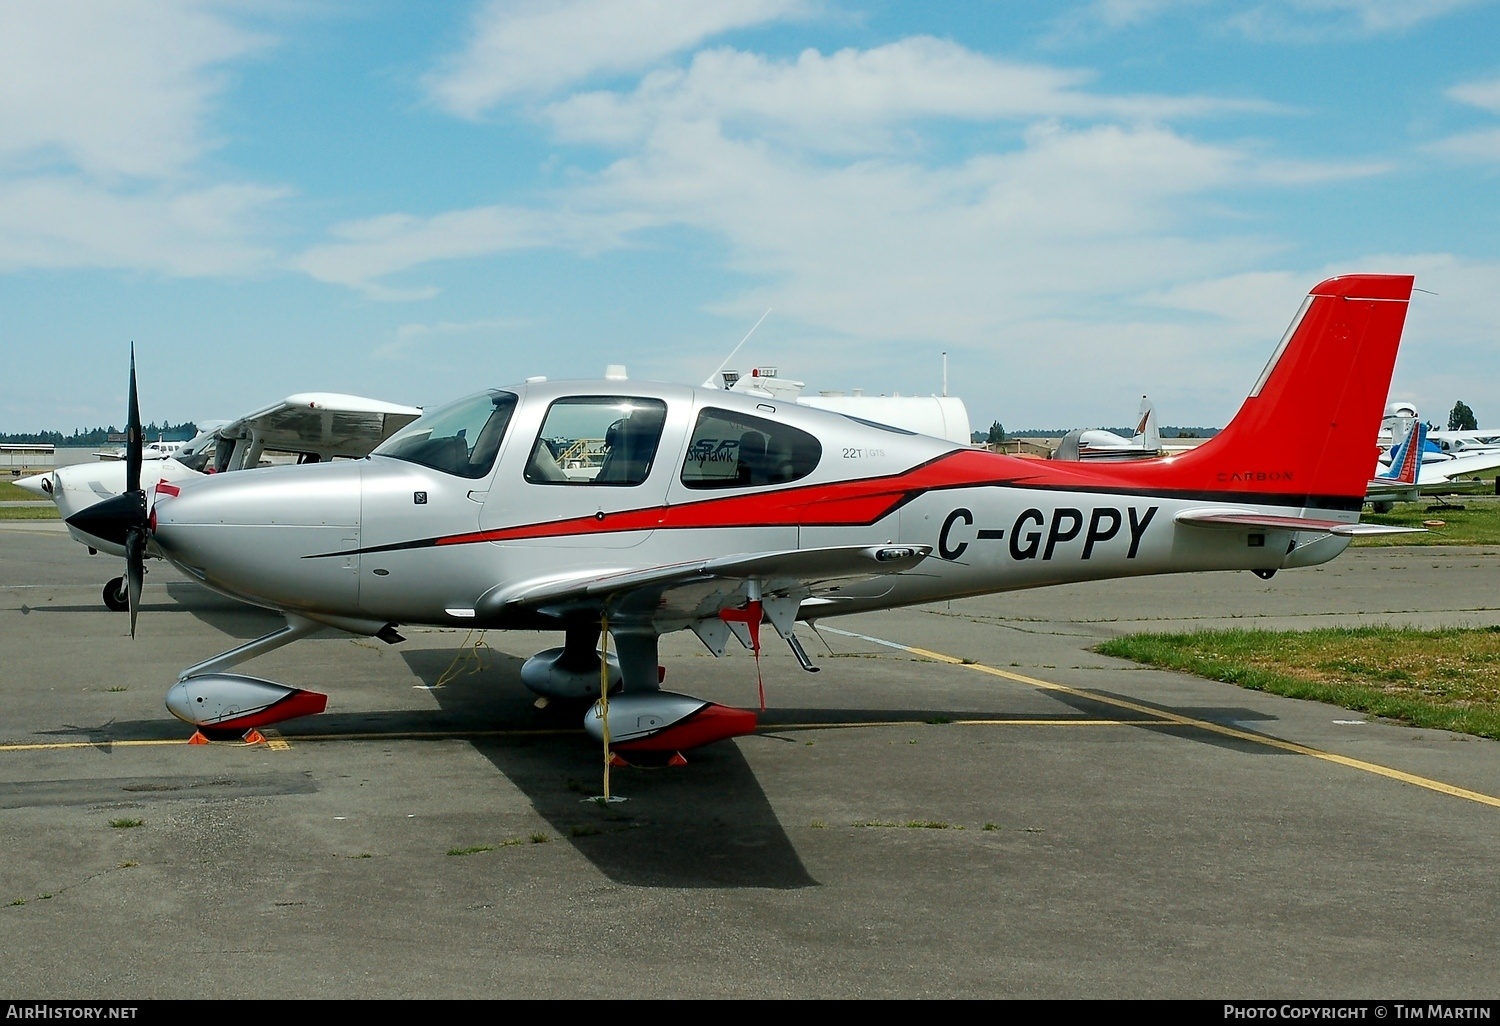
991	811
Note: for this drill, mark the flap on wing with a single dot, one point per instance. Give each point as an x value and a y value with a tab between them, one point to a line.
1271	522
808	567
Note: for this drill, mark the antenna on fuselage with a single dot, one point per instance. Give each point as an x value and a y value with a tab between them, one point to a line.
710	382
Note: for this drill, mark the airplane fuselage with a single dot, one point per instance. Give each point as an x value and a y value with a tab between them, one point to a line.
388	540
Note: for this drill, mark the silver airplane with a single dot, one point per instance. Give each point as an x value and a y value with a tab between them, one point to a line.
308	427
634	510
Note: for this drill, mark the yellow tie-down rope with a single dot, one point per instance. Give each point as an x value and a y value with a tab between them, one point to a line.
468	653
603	704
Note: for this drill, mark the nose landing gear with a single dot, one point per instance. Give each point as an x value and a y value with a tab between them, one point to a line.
115	595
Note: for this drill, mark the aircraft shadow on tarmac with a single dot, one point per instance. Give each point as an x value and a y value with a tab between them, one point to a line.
236	619
666	834
708	825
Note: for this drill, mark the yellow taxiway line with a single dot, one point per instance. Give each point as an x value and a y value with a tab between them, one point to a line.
1153	717
1161	717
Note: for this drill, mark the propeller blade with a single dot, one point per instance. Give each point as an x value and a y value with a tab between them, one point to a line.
135	570
133	442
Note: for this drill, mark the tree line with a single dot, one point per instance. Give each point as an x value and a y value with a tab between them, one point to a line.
997	433
102	435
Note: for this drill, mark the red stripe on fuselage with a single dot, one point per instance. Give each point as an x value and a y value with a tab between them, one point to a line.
862	501
866	500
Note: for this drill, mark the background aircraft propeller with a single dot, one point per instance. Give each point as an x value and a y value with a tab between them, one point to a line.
123	519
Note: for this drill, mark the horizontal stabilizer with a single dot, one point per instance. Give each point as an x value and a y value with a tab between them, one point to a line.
1273	522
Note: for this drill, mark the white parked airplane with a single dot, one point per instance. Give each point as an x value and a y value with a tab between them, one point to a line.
309	427
157	450
1098	444
1464	443
1413	469
717	512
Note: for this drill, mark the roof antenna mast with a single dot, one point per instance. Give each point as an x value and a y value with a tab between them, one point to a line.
710	382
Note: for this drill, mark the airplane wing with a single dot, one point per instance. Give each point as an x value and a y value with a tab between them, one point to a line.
1444	471
1272	522
692	593
329	423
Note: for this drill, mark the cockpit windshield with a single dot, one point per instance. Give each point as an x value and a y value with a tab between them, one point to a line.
196	453
462	438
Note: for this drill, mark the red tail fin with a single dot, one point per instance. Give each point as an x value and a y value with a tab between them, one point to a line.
1307	426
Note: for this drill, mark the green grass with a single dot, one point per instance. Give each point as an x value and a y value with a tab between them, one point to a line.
473	850
47	512
10	493
1448	679
1478	523
125	824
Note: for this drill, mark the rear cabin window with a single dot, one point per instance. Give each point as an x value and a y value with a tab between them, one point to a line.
733	450
597	440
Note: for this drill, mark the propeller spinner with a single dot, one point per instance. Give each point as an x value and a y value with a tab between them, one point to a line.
123	519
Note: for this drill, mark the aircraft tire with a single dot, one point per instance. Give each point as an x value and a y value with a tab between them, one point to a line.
115	596
1382	507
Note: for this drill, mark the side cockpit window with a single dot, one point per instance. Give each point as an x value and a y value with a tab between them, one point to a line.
462	438
597	440
733	450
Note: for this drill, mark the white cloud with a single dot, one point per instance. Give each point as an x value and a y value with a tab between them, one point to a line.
790	219
1316	20
849	99
103	108
66	222
848	249
1123	13
412	337
1484	94
367	250
1451	325
527	47
1481	145
1382	15
1030	254
111	87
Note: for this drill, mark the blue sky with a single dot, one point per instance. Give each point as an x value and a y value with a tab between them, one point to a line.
1079	203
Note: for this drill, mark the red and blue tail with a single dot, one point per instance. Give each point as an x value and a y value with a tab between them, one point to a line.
1406	458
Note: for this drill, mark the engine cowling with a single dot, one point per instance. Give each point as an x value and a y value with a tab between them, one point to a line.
664	721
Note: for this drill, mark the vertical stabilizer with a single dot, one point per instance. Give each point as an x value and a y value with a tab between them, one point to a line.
1406	458
1147	434
1303	434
